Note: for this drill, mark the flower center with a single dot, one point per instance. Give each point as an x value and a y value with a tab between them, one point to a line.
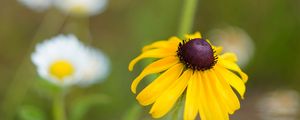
79	9
197	54
61	69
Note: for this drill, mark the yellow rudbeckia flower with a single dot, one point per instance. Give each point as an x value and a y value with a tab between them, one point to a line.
197	67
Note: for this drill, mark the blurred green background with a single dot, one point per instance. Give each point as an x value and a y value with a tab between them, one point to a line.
122	30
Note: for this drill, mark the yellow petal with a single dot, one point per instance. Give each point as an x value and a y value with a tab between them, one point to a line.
218	50
234	67
225	97
218	111
155	67
148	95
171	44
192	98
192	36
158	44
204	110
229	57
228	92
156	53
166	101
174	40
214	84
233	80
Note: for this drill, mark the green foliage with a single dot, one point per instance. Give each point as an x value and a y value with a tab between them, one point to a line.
134	113
81	106
29	112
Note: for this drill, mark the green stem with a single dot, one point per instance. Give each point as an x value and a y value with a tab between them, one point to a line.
187	18
80	26
59	107
87	35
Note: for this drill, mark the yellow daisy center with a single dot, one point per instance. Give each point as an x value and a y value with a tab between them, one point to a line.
61	69
79	9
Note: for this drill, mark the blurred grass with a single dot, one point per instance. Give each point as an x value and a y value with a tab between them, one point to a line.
127	25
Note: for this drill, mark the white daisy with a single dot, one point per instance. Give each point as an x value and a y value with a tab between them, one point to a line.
37	5
81	7
279	105
96	69
236	40
64	60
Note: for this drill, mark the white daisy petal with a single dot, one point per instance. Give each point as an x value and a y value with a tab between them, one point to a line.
37	5
81	7
96	69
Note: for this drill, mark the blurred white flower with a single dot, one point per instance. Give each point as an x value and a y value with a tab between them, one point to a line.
64	60
37	5
81	7
96	69
235	40
279	105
